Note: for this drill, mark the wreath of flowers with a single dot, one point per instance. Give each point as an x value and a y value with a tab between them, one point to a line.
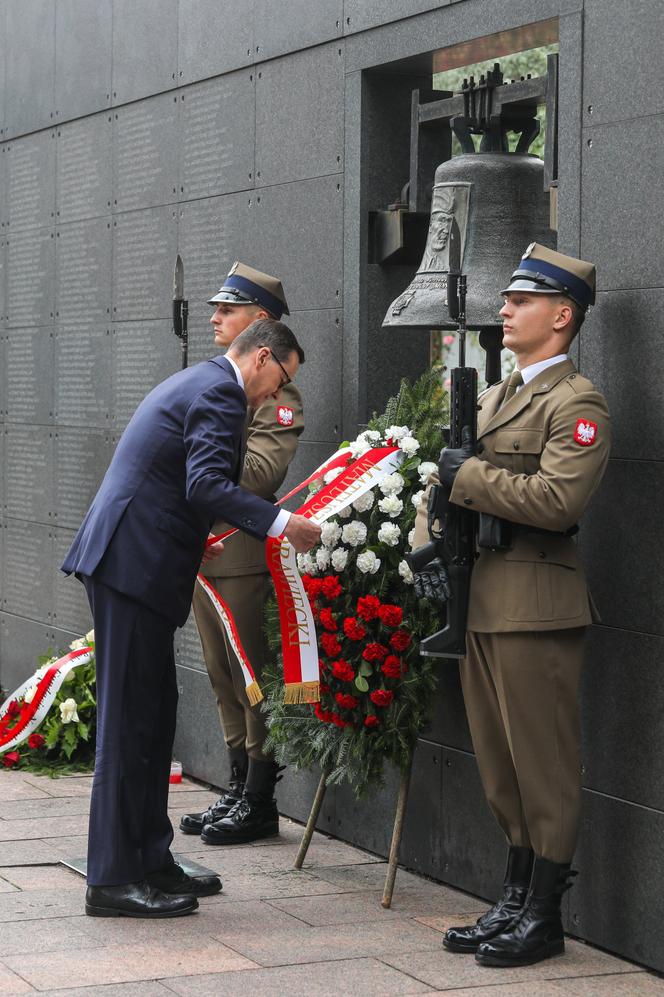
376	689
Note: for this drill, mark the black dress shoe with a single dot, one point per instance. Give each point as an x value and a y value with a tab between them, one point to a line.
174	881
249	820
194	823
135	900
499	917
538	931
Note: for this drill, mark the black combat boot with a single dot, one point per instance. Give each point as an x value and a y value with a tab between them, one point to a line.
194	823
255	815
538	931
499	917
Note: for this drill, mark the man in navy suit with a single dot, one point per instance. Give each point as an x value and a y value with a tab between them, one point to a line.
174	472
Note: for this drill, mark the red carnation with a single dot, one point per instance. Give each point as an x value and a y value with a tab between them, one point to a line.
10	759
346	701
312	586
323	688
328	620
13	709
400	640
36	741
323	715
391	616
374	652
330	645
368	606
331	587
342	671
353	629
381	697
392	667
371	722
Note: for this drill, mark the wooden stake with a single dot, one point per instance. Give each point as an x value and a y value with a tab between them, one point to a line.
397	831
313	817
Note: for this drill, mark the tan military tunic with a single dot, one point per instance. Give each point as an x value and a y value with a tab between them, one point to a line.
241	576
540	458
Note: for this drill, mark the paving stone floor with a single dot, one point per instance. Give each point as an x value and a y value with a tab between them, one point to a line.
272	932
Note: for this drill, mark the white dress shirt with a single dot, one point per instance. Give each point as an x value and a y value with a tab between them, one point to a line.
533	369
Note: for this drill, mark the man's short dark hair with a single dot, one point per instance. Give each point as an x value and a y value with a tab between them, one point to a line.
268	332
578	315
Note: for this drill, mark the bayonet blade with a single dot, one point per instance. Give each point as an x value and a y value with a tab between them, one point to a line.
178	279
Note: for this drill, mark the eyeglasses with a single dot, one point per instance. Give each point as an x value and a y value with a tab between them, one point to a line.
283	370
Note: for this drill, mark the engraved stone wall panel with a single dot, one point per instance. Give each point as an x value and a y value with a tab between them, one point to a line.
29	467
3	60
319	378
299	228
213	39
617	238
3	283
22	642
363	14
70	607
84	168
145	149
145	353
3	394
27	587
83	32
31	278
188	651
144	249
81	459
294	97
30	66
217	156
30	166
29	376
199	742
144	48
83	271
84	375
212	234
299	25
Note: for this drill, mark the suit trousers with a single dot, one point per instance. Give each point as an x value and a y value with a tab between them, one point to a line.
521	696
130	831
243	724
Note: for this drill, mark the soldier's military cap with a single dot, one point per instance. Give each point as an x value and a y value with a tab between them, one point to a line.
246	286
544	271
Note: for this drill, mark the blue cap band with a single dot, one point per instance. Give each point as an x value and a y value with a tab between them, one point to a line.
256	293
568	283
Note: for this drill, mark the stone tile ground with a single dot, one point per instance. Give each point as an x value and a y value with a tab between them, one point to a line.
273	931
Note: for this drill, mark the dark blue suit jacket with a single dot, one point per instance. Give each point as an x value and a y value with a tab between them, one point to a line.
175	471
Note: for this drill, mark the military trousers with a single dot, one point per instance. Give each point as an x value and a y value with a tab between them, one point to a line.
243	725
521	696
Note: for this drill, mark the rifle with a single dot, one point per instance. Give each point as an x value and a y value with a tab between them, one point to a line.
454	543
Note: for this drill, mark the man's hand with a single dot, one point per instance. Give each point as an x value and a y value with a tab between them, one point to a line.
433	582
302	533
214	550
452	460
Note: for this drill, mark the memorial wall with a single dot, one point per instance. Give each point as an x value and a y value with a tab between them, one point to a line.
132	130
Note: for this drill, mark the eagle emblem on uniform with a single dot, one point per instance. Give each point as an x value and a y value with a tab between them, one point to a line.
586	432
284	415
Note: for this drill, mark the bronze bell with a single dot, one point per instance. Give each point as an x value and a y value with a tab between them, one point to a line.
487	207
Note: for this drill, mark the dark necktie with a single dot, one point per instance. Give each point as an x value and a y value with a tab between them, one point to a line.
514	382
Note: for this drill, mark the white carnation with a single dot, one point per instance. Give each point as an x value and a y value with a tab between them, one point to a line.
368	563
416	498
364	502
354	534
411	537
371	435
391	505
68	711
426	468
409	445
323	558
331	475
339	558
391	484
389	533
330	533
306	564
345	513
77	644
405	573
396	433
360	446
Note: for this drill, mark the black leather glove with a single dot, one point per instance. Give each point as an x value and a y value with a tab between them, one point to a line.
433	582
452	459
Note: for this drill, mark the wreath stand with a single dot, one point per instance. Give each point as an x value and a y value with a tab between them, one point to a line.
397	829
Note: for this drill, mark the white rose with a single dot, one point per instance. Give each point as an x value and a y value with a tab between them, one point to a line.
331	475
90	636
330	533
322	558
391	484
29	694
391	505
345	513
354	534
396	433
368	563
339	558
68	711
416	498
409	445
77	644
426	468
364	502
405	573
411	537
389	533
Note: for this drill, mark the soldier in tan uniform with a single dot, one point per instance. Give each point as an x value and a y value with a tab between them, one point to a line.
247	811
543	444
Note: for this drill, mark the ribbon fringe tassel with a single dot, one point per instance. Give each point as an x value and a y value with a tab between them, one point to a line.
302	692
254	694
